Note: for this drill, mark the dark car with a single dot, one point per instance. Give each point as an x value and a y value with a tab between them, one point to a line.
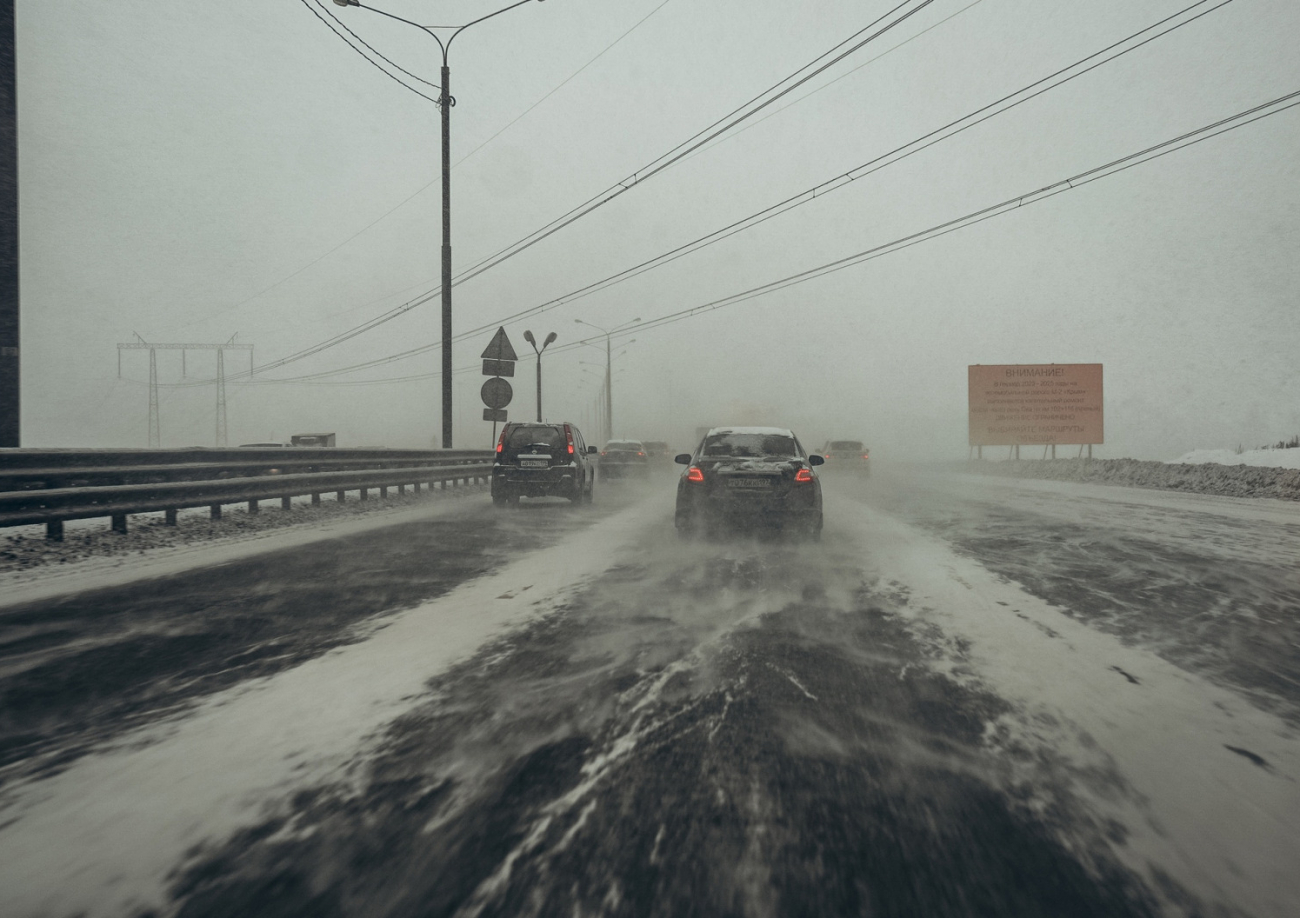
847	455
542	460
747	476
624	459
657	451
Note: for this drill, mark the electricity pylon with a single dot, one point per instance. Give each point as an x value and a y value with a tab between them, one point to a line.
155	433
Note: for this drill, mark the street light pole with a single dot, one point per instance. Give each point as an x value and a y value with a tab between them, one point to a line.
445	102
609	389
528	336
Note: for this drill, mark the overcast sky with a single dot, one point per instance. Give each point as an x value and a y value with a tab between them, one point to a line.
192	171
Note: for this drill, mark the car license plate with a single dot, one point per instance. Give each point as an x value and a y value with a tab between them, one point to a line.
534	463
750	483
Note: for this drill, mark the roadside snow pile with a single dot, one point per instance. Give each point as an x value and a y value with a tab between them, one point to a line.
1267	458
1202	478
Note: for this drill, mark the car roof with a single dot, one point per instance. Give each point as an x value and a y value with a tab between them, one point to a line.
636	442
761	431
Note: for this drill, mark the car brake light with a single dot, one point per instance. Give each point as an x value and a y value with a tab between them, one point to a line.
568	434
640	454
501	441
695	474
803	475
866	455
604	453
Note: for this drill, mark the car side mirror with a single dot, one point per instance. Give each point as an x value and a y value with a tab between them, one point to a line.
682	458
815	459
591	450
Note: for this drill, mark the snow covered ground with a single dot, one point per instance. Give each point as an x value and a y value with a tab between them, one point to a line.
1263	458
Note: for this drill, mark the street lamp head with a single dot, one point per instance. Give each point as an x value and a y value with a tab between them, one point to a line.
552	336
528	336
347	2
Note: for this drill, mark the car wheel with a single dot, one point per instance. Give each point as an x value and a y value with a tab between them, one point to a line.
591	492
500	499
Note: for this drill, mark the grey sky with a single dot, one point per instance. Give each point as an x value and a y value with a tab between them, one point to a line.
184	164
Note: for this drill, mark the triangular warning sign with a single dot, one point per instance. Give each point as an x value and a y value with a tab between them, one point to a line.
500	347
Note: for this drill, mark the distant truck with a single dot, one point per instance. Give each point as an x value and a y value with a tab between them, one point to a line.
312	439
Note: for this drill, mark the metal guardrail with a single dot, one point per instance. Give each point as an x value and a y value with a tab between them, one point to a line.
53	486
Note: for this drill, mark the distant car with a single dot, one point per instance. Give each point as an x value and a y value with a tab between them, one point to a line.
657	451
847	455
747	476
542	460
624	459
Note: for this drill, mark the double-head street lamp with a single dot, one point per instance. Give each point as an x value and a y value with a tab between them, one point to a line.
528	336
445	103
609	395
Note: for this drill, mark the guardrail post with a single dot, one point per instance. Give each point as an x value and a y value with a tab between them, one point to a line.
169	517
119	523
286	503
252	506
342	496
54	530
365	494
442	485
383	492
401	490
315	499
215	511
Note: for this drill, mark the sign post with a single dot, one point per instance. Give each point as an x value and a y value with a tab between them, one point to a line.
498	360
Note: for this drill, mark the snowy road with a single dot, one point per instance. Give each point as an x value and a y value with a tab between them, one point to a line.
974	697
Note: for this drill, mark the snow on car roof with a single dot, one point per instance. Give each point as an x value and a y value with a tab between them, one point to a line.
761	431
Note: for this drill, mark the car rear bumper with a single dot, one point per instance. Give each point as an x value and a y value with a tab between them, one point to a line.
552	482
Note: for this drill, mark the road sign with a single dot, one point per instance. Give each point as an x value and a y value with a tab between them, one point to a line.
1040	403
496	393
498	368
500	348
494	414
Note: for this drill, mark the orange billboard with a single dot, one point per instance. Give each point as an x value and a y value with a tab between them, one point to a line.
1035	403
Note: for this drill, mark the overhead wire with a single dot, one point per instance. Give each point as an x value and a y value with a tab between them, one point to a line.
999	106
1010	205
326	10
373	63
654	167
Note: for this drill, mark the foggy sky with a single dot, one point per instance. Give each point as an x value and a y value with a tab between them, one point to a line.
189	171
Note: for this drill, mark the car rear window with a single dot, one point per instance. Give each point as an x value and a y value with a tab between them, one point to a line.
852	445
750	446
522	438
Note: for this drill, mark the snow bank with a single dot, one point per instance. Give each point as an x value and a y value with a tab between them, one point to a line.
1266	458
1202	478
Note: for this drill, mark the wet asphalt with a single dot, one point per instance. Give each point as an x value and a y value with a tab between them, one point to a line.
722	727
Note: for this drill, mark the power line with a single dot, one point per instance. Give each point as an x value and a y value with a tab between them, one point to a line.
1010	205
677	153
521	115
395	79
344	26
653	168
947	131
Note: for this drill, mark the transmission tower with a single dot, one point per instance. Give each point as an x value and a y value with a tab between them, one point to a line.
155	434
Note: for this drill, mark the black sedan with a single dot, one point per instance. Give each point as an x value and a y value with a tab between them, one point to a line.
624	459
747	476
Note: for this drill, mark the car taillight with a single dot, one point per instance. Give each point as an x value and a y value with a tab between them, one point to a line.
695	474
604	453
501	441
568	434
866	455
640	454
803	475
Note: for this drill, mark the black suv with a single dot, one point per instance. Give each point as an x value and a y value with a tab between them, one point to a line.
542	460
747	476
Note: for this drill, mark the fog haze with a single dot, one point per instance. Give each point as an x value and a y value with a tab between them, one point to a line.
191	172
